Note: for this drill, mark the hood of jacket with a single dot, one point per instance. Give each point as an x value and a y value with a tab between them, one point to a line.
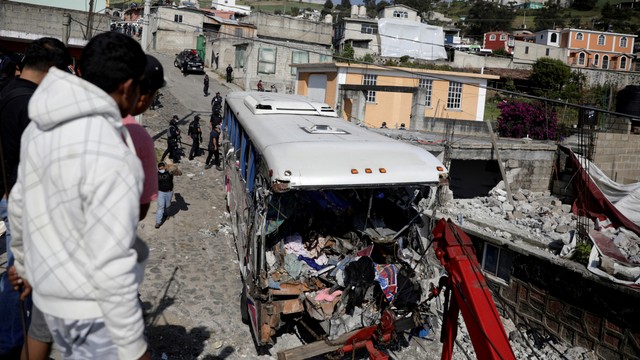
63	97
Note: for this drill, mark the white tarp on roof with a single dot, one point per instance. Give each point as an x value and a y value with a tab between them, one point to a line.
417	40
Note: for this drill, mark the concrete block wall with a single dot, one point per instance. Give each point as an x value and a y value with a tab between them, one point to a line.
618	155
48	21
299	30
460	127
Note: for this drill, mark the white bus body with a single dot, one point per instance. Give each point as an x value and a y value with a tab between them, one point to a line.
296	171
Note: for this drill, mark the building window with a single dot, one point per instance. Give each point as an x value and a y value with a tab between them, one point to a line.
497	261
369	28
503	37
238	33
325	58
554	38
623	63
600	39
267	61
579	36
492	37
455	95
596	59
298	57
605	62
623	42
426	84
400	14
581	58
526	49
239	59
546	52
360	44
370	80
177	18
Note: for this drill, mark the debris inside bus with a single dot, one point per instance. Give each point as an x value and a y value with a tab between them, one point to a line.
342	257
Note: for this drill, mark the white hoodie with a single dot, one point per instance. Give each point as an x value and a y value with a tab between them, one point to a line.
74	209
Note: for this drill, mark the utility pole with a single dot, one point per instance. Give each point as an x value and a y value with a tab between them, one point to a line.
90	20
145	24
65	28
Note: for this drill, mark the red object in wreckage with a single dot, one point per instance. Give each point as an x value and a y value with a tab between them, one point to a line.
471	296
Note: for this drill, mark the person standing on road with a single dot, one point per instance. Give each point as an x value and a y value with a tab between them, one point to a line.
78	164
165	191
214	141
173	141
260	87
229	73
216	60
196	135
206	85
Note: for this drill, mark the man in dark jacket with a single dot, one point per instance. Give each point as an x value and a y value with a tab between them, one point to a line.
214	146
173	141
196	135
206	85
229	73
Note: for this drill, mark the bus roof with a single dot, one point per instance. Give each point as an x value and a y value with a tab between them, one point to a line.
313	149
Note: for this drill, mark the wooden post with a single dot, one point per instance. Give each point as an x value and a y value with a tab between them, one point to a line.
504	174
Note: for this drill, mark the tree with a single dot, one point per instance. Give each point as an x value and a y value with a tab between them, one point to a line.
328	7
549	17
345	5
487	16
519	119
549	77
347	52
583	5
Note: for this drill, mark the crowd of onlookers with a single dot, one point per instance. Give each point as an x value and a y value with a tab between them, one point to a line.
129	29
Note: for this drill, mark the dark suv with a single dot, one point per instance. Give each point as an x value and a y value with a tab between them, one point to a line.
188	60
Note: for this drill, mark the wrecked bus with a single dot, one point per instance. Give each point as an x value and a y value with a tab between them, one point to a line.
324	216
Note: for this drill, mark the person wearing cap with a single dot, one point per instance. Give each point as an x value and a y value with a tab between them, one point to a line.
41	55
142	141
196	136
173	141
214	146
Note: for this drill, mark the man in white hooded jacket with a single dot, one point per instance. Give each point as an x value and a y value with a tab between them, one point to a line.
75	206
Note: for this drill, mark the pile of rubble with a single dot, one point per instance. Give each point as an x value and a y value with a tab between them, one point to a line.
536	217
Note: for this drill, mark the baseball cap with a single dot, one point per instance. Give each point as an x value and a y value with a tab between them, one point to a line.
153	75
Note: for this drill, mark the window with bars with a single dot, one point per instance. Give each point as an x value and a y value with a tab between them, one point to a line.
601	39
369	28
370	80
298	57
267	61
177	18
497	261
426	84
623	41
454	98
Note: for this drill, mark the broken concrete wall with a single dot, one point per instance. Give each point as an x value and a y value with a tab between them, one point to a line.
459	127
618	155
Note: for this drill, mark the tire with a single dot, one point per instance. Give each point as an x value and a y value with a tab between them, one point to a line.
244	309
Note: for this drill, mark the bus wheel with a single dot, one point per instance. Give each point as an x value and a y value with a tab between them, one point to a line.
244	310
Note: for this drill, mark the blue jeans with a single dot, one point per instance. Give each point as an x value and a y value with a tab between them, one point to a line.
164	200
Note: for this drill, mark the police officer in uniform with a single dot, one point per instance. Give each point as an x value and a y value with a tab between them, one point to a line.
196	135
173	141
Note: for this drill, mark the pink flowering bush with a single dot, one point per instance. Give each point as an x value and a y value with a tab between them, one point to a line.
518	119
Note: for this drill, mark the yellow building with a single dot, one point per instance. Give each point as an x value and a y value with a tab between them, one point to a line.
373	94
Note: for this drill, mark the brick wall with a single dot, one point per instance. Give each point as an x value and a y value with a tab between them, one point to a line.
618	155
573	305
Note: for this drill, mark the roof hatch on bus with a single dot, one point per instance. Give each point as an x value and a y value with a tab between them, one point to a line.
265	103
324	129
